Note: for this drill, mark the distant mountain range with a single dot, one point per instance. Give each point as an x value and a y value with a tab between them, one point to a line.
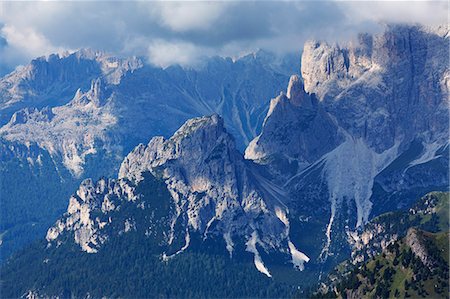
76	116
361	130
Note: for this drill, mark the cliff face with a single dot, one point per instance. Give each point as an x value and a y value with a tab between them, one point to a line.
216	195
379	83
363	130
87	110
363	127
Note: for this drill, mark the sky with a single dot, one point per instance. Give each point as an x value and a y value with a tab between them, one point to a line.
184	32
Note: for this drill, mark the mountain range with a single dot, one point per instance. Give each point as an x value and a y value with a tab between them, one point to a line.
78	115
285	190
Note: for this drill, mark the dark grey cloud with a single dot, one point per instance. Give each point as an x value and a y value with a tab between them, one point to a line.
181	32
3	42
5	65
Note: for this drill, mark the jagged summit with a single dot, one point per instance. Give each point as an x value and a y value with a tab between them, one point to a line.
24	115
362	130
197	139
213	124
296	93
217	196
361	120
97	94
52	81
295	128
84	53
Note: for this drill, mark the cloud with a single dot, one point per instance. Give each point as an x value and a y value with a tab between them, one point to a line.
430	13
188	16
3	42
165	53
183	32
27	40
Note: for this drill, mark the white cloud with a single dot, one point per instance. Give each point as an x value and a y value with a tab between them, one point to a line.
430	13
187	16
27	41
164	53
182	32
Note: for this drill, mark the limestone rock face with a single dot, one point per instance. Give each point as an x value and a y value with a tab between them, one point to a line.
364	127
216	188
297	131
375	86
87	110
216	194
88	230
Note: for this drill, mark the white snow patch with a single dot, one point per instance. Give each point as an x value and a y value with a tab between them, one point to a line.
282	216
251	247
326	248
187	239
87	248
229	242
298	258
251	152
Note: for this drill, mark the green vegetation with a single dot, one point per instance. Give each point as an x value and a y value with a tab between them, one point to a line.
129	268
22	220
131	265
398	271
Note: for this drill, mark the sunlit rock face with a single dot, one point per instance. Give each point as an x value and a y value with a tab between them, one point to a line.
363	130
216	194
87	110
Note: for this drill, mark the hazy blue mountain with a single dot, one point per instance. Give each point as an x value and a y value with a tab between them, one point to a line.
362	130
98	108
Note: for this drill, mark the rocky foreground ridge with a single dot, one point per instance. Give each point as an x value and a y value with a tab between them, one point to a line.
216	194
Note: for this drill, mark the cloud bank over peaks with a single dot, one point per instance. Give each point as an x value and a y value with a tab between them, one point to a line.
183	32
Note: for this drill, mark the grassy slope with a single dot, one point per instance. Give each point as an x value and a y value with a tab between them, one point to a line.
397	272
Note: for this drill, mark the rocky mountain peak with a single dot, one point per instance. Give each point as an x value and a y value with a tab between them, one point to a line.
199	139
372	102
297	94
207	128
38	115
95	95
295	129
216	193
85	219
